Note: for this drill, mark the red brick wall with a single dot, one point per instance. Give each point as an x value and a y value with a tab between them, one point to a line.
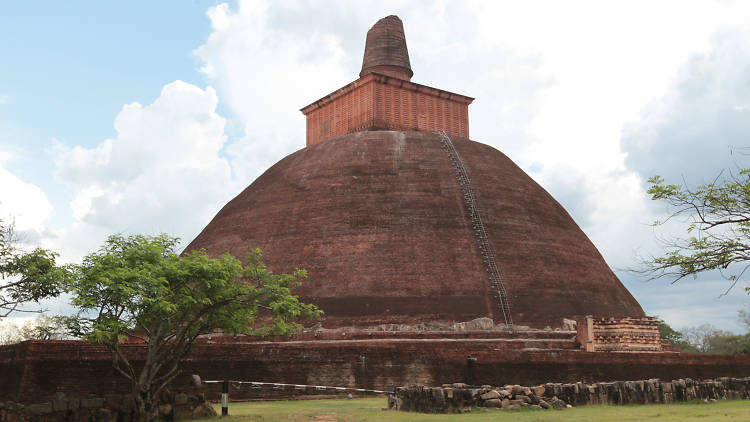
343	114
407	108
11	370
46	367
377	101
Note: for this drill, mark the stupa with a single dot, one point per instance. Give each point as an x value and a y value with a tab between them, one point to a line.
400	218
414	236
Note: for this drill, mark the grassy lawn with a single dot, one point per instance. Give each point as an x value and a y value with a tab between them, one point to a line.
370	410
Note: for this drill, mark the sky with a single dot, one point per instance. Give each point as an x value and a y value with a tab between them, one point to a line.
147	117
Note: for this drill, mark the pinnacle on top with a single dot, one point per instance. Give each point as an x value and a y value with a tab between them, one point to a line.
385	50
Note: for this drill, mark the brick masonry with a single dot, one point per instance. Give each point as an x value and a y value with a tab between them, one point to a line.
34	371
377	101
377	218
373	211
386	51
623	334
384	98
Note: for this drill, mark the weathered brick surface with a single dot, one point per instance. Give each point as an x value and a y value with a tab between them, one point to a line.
11	372
76	367
377	218
365	334
385	50
377	101
625	334
384	98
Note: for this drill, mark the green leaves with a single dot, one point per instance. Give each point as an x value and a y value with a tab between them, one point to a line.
717	223
26	276
138	286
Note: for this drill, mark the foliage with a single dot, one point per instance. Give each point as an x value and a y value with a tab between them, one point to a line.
744	317
668	333
703	337
729	343
137	288
718	238
718	218
706	339
675	338
43	327
26	276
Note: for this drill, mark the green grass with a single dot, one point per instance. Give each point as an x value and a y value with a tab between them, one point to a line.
370	410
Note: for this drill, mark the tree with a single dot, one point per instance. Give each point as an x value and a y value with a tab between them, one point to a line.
718	227
675	338
709	339
43	327
729	343
26	277
703	337
744	317
138	287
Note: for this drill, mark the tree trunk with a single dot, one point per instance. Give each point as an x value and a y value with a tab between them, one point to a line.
145	406
141	415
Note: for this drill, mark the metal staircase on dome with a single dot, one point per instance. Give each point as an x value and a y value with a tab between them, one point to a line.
480	233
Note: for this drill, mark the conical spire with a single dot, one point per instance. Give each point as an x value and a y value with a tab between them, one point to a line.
385	50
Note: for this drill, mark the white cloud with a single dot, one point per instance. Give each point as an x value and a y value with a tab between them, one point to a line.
690	134
693	129
690	302
23	204
265	73
162	173
268	60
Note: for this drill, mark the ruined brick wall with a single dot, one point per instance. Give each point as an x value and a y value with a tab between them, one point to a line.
620	334
76	367
11	369
377	101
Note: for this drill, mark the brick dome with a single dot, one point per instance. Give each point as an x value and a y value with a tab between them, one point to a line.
378	220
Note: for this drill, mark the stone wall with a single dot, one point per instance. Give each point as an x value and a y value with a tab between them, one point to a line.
108	408
455	398
34	371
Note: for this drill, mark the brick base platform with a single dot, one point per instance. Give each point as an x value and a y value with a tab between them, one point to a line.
33	371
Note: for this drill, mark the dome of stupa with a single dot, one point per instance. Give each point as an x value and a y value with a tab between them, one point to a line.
399	218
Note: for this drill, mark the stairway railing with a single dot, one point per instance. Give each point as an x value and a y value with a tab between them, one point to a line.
480	232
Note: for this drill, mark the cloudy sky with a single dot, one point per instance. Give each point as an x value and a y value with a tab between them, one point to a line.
148	117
